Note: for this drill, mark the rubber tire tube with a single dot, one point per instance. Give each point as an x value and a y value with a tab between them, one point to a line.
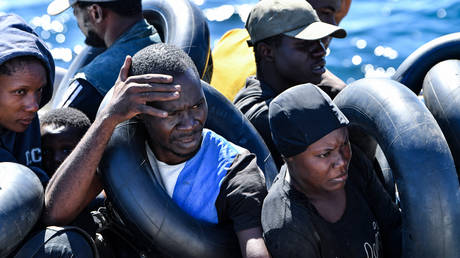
419	158
181	23
441	91
21	203
386	175
413	69
225	119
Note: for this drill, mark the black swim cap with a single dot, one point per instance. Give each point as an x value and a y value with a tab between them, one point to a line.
300	116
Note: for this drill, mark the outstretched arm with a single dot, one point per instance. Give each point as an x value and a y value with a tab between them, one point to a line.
75	183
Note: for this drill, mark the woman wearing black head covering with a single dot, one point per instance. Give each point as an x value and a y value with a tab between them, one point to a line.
325	202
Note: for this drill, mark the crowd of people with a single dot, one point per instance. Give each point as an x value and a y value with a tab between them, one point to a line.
326	200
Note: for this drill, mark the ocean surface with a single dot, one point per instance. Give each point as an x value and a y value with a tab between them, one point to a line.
381	33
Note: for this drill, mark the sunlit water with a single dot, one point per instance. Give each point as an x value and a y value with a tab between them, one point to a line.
381	33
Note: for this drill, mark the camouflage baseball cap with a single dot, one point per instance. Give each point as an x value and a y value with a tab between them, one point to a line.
294	18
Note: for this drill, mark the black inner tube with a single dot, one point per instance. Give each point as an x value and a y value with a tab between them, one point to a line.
21	202
225	119
414	68
419	158
181	23
441	91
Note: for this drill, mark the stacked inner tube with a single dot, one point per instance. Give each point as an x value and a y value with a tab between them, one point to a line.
419	158
414	68
441	91
21	203
228	121
146	208
428	67
179	22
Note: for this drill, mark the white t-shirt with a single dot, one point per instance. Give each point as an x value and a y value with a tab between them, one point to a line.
169	173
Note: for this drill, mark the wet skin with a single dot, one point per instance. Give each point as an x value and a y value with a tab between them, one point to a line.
86	27
326	10
20	95
299	61
323	167
177	137
57	143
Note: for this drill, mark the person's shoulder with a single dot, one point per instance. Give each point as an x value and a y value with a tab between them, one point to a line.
283	209
331	84
253	102
287	225
275	207
225	149
211	138
251	91
247	171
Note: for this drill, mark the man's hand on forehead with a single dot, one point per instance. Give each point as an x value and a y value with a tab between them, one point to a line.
132	93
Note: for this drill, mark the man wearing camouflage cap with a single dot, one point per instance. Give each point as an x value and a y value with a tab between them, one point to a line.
287	37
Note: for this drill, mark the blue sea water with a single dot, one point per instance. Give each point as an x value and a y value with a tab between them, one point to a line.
381	33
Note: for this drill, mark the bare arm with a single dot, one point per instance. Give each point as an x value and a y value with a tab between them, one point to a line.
252	243
75	182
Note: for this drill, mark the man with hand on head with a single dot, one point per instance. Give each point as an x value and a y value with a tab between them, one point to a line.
117	25
208	177
288	39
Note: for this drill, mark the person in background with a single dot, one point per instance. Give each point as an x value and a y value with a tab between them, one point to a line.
61	129
343	11
210	178
288	40
327	201
26	84
234	62
117	25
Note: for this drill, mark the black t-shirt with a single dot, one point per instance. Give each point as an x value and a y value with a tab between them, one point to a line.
253	101
242	193
369	227
24	148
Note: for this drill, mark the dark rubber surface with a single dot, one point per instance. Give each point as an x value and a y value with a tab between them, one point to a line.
441	91
412	71
419	158
21	203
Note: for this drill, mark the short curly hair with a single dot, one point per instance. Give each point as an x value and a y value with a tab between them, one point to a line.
18	63
162	58
69	117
